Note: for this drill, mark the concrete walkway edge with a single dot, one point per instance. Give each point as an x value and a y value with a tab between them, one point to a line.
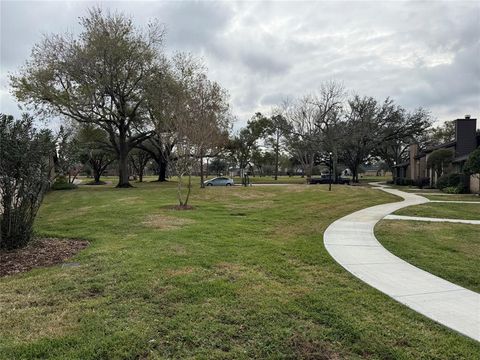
351	242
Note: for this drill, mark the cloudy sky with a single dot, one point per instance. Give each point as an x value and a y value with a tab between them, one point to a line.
419	53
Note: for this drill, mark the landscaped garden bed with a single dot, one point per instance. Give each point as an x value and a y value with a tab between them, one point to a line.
40	252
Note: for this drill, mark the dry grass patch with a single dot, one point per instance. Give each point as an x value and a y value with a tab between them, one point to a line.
262	204
230	271
166	222
178	249
34	315
248	194
311	348
82	210
131	200
182	271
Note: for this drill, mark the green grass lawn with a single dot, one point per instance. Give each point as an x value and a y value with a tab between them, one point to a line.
244	275
455	197
450	251
443	210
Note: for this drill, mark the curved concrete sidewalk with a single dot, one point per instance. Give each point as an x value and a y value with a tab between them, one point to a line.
352	243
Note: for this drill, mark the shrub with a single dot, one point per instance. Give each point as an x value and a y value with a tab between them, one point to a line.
472	166
403	181
422	182
452	190
453	181
61	183
24	177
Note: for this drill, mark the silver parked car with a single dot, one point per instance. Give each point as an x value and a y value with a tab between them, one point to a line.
219	181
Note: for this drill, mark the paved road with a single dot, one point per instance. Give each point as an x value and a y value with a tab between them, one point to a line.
352	243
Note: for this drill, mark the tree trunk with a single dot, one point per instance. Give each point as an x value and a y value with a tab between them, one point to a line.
202	185
162	176
189	189
162	169
96	170
179	190
96	175
123	173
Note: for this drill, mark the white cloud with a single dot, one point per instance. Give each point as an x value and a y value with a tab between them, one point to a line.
419	53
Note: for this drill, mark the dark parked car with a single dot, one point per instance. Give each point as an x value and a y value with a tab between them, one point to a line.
325	179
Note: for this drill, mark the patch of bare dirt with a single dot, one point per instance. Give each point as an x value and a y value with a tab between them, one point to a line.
165	222
39	253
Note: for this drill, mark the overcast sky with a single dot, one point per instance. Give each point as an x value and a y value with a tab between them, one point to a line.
422	54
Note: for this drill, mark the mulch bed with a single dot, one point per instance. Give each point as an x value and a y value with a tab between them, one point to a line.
39	253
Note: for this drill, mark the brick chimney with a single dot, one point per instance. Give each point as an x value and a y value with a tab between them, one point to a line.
465	136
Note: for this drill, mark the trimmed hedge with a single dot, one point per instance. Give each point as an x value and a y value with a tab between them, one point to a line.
421	183
404	182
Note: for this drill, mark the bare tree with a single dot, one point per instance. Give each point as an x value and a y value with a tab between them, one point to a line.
200	120
209	107
303	139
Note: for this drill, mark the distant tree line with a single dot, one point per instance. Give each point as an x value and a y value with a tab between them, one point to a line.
311	129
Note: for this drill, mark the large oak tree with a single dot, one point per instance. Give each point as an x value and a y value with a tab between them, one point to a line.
99	77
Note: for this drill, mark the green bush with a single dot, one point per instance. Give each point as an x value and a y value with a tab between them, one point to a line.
452	190
24	177
455	180
62	184
422	182
404	182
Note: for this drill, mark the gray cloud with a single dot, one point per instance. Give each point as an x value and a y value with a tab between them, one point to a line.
419	53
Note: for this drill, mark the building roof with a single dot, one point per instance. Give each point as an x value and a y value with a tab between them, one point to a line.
436	147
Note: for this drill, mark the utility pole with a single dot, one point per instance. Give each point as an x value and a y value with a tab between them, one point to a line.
331	168
276	154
